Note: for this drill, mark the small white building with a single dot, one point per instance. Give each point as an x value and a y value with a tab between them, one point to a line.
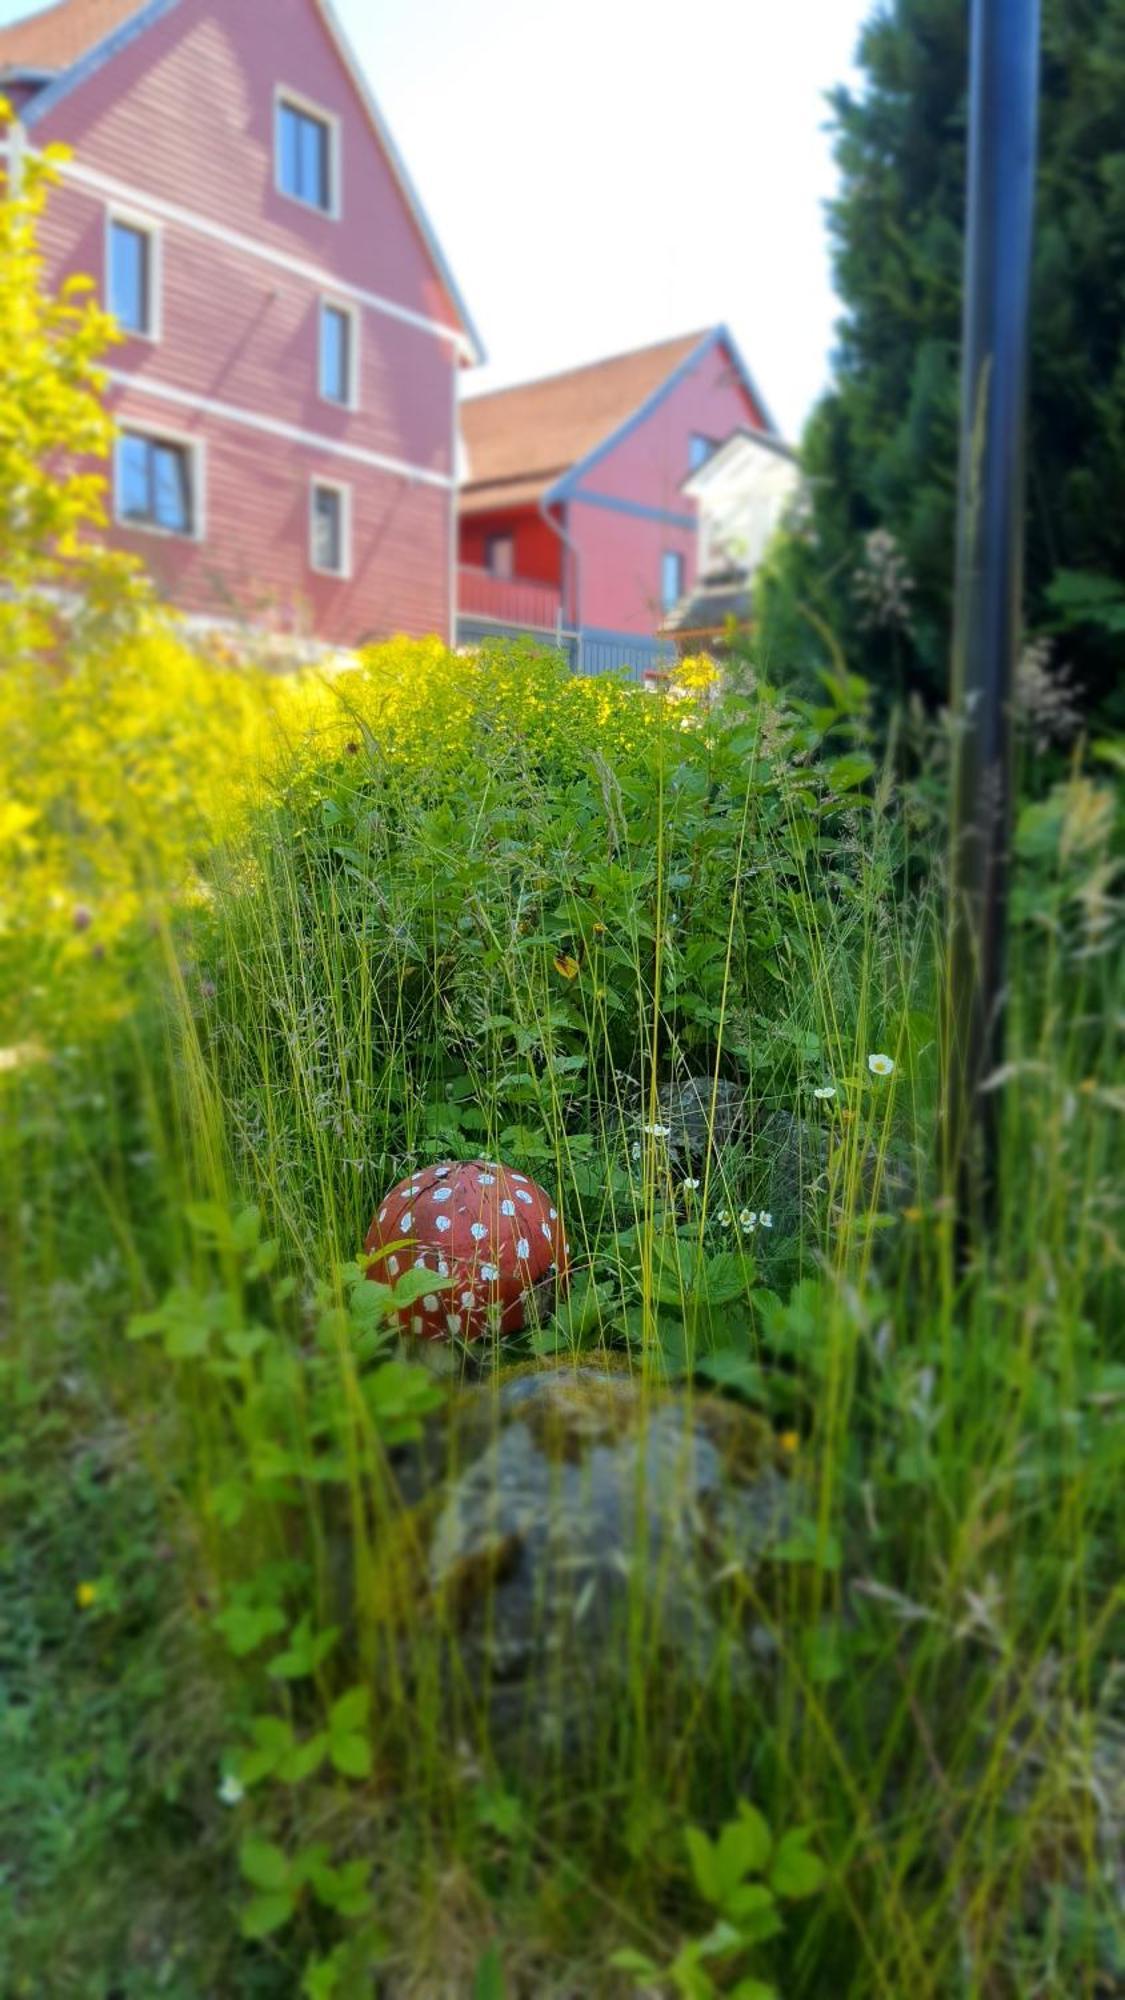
744	492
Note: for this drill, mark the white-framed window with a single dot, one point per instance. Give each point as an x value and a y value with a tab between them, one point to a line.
700	449
133	273
338	361
671	578
158	483
307	153
330	528
500	555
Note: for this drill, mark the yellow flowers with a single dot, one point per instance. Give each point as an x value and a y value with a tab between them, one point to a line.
567	966
789	1441
86	1596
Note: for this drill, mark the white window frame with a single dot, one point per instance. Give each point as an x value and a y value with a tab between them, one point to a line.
349	312
295	98
318	484
144	225
197	454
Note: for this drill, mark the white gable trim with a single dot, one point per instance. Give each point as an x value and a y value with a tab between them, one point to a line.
145	17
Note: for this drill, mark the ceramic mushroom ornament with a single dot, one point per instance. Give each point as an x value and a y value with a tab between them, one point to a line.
493	1232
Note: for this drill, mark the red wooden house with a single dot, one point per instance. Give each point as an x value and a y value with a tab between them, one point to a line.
574	519
287	388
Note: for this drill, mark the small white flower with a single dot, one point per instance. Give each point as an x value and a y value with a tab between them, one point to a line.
658	1131
636	1149
748	1221
824	1091
766	1219
725	1219
880	1065
690	1187
232	1791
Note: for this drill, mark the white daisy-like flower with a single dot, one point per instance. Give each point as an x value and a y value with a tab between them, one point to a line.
658	1131
824	1091
880	1065
766	1219
232	1791
690	1186
725	1219
748	1221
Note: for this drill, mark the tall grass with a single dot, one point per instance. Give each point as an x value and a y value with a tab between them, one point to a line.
499	922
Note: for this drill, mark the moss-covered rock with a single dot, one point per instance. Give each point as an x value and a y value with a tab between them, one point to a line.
576	1530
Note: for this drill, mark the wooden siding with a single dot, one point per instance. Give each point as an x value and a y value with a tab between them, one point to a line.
254	563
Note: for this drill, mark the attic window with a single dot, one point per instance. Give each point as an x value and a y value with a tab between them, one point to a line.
307	150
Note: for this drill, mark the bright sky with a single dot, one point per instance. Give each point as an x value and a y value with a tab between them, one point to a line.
603	173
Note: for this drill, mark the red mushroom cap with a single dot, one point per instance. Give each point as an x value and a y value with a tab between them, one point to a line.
489	1233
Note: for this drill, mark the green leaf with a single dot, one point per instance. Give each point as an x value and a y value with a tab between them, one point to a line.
488	1980
848	772
246	1626
351	1756
351	1711
796	1872
304	1758
701	1854
267	1914
263	1864
635	1962
743	1848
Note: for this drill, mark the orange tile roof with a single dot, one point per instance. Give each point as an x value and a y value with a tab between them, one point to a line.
56	37
520	440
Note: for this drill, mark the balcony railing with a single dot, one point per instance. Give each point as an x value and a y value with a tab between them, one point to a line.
507	600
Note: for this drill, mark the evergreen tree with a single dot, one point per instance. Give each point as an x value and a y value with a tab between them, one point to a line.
874	565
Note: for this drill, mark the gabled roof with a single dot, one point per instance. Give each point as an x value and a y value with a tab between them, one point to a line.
62	44
529	443
53	39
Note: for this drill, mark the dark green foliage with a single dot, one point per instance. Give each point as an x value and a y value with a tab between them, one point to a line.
881	448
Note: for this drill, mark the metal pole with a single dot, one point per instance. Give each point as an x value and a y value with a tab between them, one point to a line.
989	579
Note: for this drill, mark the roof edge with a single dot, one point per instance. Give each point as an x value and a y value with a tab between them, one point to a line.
562	487
96	57
398	167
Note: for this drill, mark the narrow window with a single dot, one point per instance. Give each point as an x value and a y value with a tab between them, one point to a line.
699	450
156	485
304	157
131	277
671	579
337	356
329	553
500	555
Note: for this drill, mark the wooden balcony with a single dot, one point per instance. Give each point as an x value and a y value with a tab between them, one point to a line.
506	600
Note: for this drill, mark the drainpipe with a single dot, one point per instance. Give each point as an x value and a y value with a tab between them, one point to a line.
557	529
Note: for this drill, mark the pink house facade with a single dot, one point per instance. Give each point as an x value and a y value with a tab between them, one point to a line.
574	515
287	387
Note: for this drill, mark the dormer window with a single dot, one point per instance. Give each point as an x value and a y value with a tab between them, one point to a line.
307	164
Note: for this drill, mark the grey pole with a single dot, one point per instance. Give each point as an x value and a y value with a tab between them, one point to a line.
1003	104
